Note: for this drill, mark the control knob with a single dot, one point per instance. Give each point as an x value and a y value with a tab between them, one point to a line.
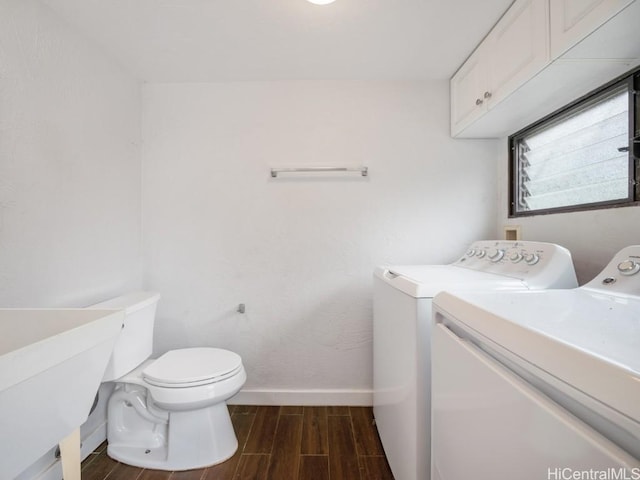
515	257
531	258
629	267
481	253
495	254
471	252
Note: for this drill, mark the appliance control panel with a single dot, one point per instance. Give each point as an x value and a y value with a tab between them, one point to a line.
539	264
621	275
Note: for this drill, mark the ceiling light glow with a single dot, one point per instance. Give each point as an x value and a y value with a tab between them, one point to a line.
321	2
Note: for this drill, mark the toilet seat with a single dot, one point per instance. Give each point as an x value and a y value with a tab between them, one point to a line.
191	367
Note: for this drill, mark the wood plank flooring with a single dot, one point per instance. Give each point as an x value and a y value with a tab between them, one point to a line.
279	443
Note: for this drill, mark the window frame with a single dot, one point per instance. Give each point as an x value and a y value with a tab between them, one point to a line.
632	81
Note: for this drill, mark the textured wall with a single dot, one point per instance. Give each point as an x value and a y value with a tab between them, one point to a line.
69	165
299	250
70	220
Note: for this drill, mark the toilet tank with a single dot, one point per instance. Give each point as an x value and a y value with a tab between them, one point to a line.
135	342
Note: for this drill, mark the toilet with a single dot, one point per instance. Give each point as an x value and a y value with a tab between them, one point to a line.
169	413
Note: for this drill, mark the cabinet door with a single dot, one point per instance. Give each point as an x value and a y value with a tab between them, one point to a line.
573	20
517	48
467	88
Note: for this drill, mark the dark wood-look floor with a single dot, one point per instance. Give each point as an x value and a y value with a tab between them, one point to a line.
279	443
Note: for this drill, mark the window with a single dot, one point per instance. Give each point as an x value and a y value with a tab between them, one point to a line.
581	157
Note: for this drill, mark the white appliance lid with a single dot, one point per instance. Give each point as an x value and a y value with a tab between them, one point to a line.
425	281
587	339
189	365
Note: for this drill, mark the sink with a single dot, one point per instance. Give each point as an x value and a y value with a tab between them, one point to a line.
51	365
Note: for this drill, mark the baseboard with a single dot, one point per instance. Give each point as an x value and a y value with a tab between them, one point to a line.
359	398
89	444
94	440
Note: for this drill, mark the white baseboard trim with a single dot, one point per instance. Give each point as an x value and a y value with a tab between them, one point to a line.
354	398
89	444
94	440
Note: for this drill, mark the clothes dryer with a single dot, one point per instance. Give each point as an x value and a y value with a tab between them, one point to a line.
402	333
542	384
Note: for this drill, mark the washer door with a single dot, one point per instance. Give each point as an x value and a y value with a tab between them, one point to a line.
488	423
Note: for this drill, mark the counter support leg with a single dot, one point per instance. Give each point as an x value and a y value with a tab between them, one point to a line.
70	455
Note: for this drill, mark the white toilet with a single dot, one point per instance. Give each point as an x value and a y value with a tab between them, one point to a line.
169	413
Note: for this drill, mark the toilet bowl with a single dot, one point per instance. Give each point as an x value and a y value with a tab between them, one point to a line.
169	413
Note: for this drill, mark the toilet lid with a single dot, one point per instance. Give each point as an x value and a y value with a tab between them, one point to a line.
192	365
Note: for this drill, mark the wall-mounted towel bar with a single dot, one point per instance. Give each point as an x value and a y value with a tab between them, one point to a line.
364	171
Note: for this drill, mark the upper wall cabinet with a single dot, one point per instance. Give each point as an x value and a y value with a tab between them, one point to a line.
515	50
573	20
540	56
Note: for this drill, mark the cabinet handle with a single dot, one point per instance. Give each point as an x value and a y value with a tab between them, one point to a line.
478	101
487	94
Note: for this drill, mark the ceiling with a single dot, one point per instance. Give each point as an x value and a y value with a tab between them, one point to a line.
244	40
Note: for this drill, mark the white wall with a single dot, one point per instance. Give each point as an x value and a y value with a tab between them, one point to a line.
70	175
299	250
69	165
593	237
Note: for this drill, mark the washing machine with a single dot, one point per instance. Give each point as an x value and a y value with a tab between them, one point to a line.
539	384
402	333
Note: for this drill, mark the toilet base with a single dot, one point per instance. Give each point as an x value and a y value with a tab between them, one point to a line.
195	439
